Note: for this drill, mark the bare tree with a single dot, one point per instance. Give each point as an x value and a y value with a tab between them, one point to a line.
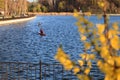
15	7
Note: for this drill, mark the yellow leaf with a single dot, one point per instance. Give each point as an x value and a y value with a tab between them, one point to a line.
60	52
107	77
101	4
85	77
80	76
102	39
118	76
87	70
111	61
101	66
76	70
101	28
104	52
76	14
68	61
117	71
99	63
115	26
117	61
115	42
83	38
68	65
83	55
87	45
62	60
89	64
81	63
111	33
81	29
107	69
92	56
97	48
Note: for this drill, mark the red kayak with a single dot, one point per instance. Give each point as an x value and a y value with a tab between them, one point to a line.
42	33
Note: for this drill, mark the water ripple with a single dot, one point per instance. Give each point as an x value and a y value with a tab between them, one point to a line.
21	42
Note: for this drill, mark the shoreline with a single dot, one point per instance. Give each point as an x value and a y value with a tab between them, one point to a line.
17	20
63	14
11	21
52	13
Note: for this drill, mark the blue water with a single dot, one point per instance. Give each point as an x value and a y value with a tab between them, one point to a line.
21	42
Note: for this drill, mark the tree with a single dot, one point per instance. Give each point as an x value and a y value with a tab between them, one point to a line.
35	7
2	4
38	7
62	6
84	5
100	40
44	9
15	7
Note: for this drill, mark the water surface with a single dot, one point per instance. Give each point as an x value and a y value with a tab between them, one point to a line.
21	42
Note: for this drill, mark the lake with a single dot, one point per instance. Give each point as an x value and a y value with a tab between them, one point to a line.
21	41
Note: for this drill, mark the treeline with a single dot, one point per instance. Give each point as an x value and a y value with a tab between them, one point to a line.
70	5
13	7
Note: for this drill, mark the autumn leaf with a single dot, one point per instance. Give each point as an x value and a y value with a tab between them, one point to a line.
87	70
81	62
102	39
76	70
115	42
83	38
101	28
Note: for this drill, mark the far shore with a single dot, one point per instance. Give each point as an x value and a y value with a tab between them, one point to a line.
15	20
51	13
62	13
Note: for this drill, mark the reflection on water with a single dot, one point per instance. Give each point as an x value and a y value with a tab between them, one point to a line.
21	42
